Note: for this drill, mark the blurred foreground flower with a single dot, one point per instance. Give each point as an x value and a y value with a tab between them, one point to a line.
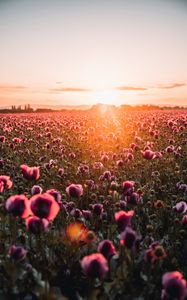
174	286
76	232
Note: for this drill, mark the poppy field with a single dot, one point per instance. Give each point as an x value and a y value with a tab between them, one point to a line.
93	205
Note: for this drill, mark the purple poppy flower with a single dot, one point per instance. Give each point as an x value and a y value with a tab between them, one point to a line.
17	253
97	209
56	194
87	214
133	199
36	189
174	286
95	265
128	187
76	213
180	207
129	239
74	190
107	248
36	225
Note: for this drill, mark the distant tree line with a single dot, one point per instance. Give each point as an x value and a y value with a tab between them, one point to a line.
95	108
18	109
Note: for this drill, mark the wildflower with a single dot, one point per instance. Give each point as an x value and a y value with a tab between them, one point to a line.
61	172
148	154
155	252
170	149
44	206
174	286
97	209
76	212
120	163
130	156
107	175
159	204
95	265
106	247
30	173
97	165
18	205
123	219
134	199
5	183
2	139
183	187
122	204
17	140
104	158
56	194
74	190
36	225
128	187
76	232
18	254
87	214
36	189
184	219
129	238
180	207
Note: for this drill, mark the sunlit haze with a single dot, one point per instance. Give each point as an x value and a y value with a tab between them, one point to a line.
80	52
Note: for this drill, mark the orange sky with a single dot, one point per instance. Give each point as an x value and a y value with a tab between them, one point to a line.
83	52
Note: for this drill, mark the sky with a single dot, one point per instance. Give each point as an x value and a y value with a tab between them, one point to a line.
77	52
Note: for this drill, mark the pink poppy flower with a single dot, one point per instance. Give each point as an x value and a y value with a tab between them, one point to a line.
148	154
18	205
44	206
123	219
5	183
30	173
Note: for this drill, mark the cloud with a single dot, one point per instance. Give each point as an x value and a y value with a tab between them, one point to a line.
170	86
68	89
130	88
160	86
12	88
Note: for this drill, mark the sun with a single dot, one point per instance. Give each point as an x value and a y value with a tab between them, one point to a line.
105	97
